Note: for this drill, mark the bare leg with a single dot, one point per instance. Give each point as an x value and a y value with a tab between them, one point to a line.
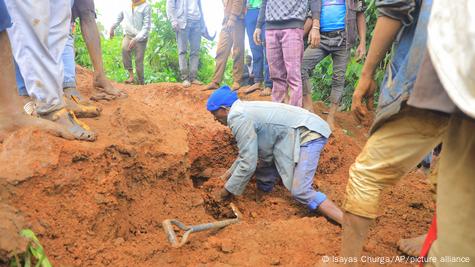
11	116
329	209
93	43
412	246
131	77
331	115
355	230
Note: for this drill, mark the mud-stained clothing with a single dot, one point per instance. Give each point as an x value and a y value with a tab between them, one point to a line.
37	45
269	133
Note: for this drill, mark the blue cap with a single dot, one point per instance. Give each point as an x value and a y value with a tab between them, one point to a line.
222	97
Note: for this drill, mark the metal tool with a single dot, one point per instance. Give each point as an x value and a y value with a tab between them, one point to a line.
171	234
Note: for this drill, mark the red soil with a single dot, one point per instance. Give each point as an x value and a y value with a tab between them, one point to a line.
158	156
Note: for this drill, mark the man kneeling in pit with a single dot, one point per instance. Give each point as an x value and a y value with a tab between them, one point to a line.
287	142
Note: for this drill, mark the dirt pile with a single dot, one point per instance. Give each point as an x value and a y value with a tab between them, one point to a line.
158	156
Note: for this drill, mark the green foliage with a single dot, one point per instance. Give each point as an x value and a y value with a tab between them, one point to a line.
161	57
34	253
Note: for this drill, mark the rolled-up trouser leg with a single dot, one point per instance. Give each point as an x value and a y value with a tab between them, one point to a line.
302	185
266	176
38	37
69	64
126	53
456	193
340	62
390	153
140	48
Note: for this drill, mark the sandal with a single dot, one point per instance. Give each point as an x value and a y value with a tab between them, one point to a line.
68	120
73	103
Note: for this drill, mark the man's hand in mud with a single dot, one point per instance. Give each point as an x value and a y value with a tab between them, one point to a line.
314	38
364	91
257	36
132	44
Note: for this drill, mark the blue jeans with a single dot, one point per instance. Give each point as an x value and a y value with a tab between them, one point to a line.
258	52
5	20
69	80
190	34
69	69
302	187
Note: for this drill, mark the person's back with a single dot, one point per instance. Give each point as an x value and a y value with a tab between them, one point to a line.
264	113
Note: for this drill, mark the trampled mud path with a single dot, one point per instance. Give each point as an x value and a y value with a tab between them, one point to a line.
158	156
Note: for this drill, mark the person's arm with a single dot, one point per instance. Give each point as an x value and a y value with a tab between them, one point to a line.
117	22
246	163
314	35
147	22
260	21
307	26
171	13
361	23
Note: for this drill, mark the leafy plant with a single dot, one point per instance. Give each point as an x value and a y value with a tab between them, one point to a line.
34	253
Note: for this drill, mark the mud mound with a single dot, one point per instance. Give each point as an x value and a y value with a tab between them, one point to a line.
158	156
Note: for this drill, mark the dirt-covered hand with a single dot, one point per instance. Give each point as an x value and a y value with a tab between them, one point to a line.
364	91
314	38
257	36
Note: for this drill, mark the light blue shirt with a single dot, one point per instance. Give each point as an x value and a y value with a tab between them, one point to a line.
332	16
269	132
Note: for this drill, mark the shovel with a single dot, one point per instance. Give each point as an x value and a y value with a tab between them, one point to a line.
171	234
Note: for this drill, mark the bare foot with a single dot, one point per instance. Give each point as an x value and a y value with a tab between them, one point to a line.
12	122
266	92
331	116
236	86
105	86
253	88
411	246
211	86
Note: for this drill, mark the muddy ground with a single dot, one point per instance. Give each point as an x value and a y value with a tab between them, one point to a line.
158	156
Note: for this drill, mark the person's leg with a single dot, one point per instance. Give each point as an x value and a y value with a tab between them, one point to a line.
225	43
38	52
140	49
276	61
340	62
238	53
127	58
195	46
267	79
182	43
311	57
11	115
302	186
390	153
37	49
292	47
456	192
85	10
257	51
20	82
69	80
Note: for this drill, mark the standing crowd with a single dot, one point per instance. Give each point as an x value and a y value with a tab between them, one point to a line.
427	96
